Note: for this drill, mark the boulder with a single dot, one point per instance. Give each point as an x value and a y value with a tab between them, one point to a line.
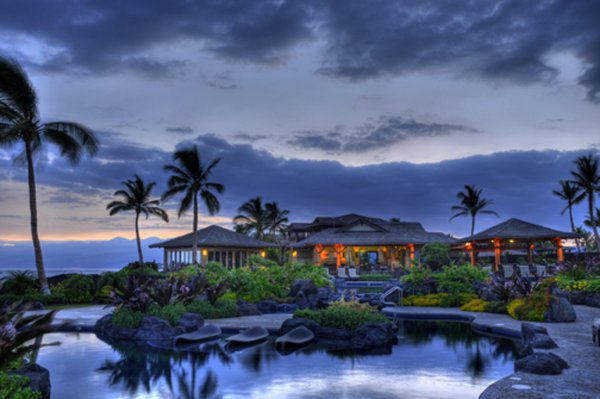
190	322
593	300
575	297
247	309
542	364
106	329
267	306
560	311
286	308
154	329
536	336
305	294
39	378
374	335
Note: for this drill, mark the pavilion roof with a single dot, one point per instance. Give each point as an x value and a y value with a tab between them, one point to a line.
214	236
520	230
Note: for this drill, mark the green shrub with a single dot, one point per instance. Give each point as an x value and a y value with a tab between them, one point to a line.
19	283
341	317
170	313
417	278
475	305
127	318
257	260
221	309
495	307
114	280
574	272
16	387
436	255
187	272
354	305
77	289
438	300
374	277
458	279
216	273
594	286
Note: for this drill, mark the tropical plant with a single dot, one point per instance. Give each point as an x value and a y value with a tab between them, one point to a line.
341	317
471	204
19	283
589	222
136	198
436	255
253	218
277	218
20	124
587	178
190	177
573	195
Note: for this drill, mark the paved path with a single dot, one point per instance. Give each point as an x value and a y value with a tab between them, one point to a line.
581	381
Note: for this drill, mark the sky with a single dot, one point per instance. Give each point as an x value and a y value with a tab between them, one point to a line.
386	108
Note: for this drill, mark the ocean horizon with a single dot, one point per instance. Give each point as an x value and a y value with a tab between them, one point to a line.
54	271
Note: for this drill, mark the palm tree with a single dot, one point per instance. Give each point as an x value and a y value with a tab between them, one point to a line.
572	194
587	178
20	124
471	204
596	217
191	178
276	218
136	198
253	217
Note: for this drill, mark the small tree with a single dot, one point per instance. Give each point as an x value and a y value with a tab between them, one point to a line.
436	255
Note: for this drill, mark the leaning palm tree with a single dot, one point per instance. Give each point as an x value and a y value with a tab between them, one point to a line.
190	177
471	204
277	218
253	217
587	178
137	198
573	195
20	125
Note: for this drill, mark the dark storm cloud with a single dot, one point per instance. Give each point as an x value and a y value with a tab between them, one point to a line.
223	81
180	129
519	183
381	133
497	40
250	137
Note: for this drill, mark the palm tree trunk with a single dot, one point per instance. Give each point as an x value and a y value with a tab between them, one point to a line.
137	237
37	247
195	232
472	225
573	225
592	219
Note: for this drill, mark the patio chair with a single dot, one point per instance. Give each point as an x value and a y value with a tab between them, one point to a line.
541	271
524	270
487	269
342	272
352	274
508	271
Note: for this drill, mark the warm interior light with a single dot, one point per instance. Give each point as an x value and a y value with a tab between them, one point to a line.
204	252
295	253
511	241
263	254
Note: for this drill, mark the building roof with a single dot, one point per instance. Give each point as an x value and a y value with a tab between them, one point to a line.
365	232
214	236
322	222
519	229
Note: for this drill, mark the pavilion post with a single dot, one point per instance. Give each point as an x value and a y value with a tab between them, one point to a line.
530	249
497	254
560	257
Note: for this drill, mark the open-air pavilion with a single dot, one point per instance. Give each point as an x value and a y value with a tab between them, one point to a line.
513	235
214	244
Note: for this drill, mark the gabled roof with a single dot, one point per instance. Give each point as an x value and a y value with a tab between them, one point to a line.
214	236
519	229
321	222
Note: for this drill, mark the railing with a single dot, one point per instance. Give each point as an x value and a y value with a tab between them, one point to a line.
393	297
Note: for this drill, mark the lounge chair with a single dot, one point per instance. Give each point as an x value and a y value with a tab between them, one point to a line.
596	331
508	271
540	270
342	272
524	270
251	335
352	274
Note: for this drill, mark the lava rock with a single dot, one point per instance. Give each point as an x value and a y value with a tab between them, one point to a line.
536	336
286	308
191	321
575	297
39	378
542	364
106	329
374	335
305	294
267	306
561	311
154	329
247	309
593	300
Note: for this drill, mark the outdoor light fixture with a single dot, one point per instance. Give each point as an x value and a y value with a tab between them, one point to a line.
295	253
204	252
263	254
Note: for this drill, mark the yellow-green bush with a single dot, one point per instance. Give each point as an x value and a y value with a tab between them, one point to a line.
355	305
424	300
475	305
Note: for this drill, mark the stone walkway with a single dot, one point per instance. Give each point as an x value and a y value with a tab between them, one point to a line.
581	381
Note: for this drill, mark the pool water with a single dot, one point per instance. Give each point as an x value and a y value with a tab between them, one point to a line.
431	360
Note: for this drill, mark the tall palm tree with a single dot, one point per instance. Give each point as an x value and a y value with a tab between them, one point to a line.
190	177
20	125
587	177
253	216
471	204
277	218
588	222
573	195
137	198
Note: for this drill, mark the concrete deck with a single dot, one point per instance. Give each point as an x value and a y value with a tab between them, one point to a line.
575	345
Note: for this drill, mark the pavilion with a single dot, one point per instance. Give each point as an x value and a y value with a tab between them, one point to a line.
513	234
356	240
214	244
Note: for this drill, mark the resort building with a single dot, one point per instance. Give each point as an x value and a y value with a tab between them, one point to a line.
513	235
214	243
357	240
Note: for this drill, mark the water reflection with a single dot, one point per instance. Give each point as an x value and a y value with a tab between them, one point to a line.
431	360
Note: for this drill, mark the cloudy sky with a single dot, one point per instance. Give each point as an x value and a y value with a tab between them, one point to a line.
380	107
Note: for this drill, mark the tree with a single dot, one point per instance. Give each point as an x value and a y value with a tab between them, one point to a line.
253	218
192	178
573	195
471	204
587	178
588	222
20	125
137	198
276	218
